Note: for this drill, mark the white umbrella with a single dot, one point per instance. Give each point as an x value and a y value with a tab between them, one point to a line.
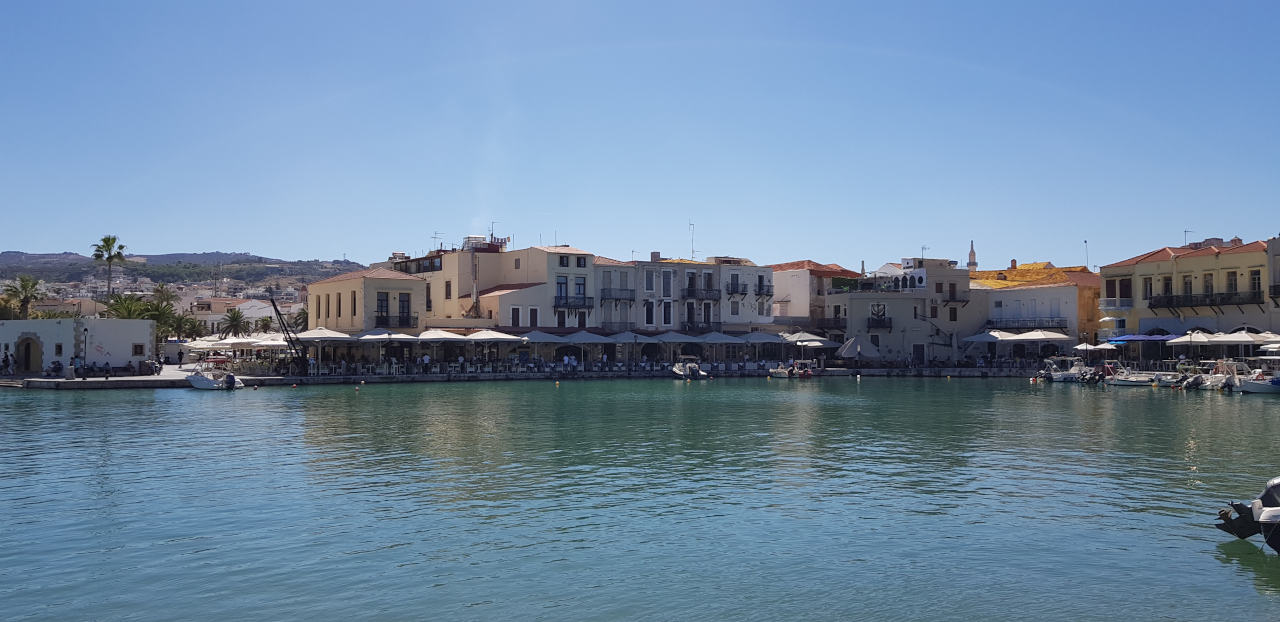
382	335
1268	337
435	335
1039	335
721	338
235	342
324	334
1109	319
758	337
858	347
1105	346
1084	346
584	337
492	336
1275	347
537	336
270	344
990	336
1236	338
629	337
1196	338
674	337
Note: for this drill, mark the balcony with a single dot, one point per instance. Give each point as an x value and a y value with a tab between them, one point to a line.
1205	300
960	297
611	293
700	294
1115	304
574	302
1035	322
885	323
736	289
764	290
396	321
617	327
700	327
832	322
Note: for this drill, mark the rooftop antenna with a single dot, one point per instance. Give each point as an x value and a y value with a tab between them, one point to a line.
633	254
491	224
1184	235
437	236
693	253
923	248
1086	253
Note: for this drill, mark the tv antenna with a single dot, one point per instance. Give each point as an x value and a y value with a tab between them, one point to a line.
693	253
923	248
437	236
1086	253
491	224
1184	235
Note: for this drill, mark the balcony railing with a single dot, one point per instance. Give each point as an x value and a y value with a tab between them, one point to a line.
956	297
1115	303
700	293
764	290
832	322
700	327
1205	300
617	327
611	293
574	302
879	322
396	321
736	289
1035	322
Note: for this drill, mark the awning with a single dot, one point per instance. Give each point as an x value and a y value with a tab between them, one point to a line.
631	338
1039	335
759	337
382	335
583	337
324	334
492	336
674	337
990	336
1124	338
858	347
435	335
537	336
716	338
1236	338
1194	338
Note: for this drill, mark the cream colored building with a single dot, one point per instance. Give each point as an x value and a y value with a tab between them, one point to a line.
1041	296
812	296
1212	285
366	299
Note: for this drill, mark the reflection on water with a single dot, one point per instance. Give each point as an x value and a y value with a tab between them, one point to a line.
725	499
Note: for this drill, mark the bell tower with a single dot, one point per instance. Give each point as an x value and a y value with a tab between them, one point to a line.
973	258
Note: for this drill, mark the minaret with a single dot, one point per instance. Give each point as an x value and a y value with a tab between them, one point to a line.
973	258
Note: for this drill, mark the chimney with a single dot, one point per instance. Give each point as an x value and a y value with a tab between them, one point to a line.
1013	264
1236	241
655	256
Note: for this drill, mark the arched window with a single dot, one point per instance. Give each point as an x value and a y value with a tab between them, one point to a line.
897	283
913	282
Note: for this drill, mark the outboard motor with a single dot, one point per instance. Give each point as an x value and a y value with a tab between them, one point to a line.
1262	515
230	381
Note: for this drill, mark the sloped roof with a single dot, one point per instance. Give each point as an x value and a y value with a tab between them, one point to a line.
1033	275
371	273
605	261
499	290
1169	252
818	269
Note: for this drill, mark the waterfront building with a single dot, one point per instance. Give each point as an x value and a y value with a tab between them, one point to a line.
918	310
367	299
35	344
1212	285
810	296
81	307
1041	296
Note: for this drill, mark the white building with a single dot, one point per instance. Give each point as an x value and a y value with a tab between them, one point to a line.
35	344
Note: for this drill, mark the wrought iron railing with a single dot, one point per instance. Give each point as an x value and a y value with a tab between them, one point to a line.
617	327
879	322
1115	303
736	289
699	327
612	293
574	302
764	290
1035	322
832	322
700	293
1205	300
396	321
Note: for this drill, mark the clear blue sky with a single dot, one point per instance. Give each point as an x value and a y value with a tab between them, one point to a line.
839	131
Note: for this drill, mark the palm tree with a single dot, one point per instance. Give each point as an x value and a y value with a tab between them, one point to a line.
23	292
7	311
109	250
188	326
126	307
235	323
300	319
262	325
163	295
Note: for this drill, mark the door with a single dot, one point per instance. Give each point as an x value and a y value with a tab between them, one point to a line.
917	353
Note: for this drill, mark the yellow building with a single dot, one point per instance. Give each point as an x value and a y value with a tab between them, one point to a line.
1042	296
1210	285
366	299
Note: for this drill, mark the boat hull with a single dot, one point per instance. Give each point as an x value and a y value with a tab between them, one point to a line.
1259	386
207	383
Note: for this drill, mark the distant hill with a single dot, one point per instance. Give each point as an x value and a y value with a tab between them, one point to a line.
173	267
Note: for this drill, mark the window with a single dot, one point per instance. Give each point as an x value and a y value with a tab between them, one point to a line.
648	312
339	304
515	316
666	284
666	313
1186	285
1207	283
1166	286
428	296
57	349
533	317
915	312
560	318
933	311
622	280
1126	288
708	281
1111	288
648	280
139	349
384	304
606	279
937	288
448	290
835	310
1255	280
1146	288
1000	303
564	261
582	317
762	309
562	286
580	286
733	307
1232	286
353	303
875	340
689	311
951	314
517	263
326	306
404	305
582	262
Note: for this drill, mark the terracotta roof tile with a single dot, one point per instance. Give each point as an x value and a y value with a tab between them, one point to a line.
1169	252
371	273
819	269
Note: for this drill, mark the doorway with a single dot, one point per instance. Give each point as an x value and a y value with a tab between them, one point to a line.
30	355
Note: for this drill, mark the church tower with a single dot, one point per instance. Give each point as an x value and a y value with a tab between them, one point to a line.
973	258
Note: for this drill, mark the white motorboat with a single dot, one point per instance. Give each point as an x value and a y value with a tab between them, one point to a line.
797	369
1121	376
1260	516
687	368
1226	375
212	375
1168	379
1064	369
1261	385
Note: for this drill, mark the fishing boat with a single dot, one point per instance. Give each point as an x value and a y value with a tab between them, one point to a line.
797	369
687	368
212	375
1262	515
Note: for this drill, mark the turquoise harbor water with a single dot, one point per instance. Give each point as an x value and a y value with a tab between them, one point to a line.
733	499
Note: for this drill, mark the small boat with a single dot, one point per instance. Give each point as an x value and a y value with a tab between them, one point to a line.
1227	375
687	368
1120	376
1261	385
1264	378
212	375
1063	369
797	369
1262	515
1168	379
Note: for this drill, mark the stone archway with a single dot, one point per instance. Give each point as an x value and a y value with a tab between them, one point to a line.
29	352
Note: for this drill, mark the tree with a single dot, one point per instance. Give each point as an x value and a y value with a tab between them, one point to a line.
262	325
300	319
109	250
126	307
163	295
23	292
7	310
235	323
188	326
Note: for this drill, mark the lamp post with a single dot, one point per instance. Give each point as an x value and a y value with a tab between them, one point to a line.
84	358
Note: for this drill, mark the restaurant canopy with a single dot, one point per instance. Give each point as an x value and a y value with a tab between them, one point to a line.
858	347
1039	335
1127	338
717	338
584	337
382	335
537	336
1236	338
990	336
759	337
492	336
674	337
435	335
632	338
1193	338
808	340
324	334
